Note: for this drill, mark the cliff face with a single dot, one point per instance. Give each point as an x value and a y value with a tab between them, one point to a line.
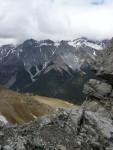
100	98
87	128
104	64
100	93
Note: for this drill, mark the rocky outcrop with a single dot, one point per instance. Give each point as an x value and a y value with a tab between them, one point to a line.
100	93
99	98
98	89
69	129
104	64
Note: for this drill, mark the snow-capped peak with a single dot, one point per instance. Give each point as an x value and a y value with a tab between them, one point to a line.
57	43
5	50
80	42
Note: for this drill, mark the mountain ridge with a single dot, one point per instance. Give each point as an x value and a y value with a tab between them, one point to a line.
23	65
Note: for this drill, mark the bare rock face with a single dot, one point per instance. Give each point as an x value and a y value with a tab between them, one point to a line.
100	93
69	129
99	98
97	89
104	64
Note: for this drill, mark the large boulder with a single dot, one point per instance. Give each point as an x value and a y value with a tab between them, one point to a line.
97	89
103	66
100	93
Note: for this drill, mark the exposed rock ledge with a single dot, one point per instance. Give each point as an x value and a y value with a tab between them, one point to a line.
69	129
100	93
99	98
104	63
87	128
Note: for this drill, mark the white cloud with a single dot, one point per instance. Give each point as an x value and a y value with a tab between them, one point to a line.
97	1
55	19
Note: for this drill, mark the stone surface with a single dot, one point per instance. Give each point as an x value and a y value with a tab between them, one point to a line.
98	89
99	98
104	64
68	129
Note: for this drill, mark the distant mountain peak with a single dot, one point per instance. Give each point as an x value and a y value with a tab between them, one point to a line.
30	42
63	59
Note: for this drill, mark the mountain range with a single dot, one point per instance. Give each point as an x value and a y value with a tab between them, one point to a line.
88	127
54	69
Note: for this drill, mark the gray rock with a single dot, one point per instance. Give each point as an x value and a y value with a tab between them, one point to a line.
104	64
7	147
97	89
67	129
20	144
60	147
98	106
99	98
103	125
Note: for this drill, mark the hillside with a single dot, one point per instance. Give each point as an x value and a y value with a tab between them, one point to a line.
55	103
20	108
61	85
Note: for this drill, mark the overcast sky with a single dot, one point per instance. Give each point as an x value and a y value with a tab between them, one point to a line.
55	19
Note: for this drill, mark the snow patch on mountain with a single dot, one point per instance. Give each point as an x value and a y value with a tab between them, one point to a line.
74	44
21	50
85	42
71	60
5	50
3	119
94	53
57	43
94	45
42	44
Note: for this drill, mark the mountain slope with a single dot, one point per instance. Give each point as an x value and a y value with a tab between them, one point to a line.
67	85
47	65
19	108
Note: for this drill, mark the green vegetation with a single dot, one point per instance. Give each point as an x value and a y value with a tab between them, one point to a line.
68	88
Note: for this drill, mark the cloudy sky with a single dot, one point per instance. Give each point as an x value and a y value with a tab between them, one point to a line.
55	19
